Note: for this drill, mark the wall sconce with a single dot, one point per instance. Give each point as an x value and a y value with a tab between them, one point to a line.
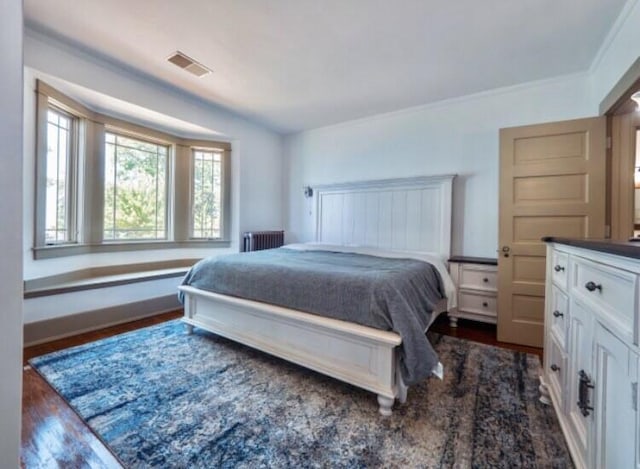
636	97
636	177
308	191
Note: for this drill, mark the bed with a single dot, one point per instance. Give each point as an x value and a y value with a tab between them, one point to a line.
395	218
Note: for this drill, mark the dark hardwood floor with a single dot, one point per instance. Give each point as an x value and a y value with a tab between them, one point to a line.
54	436
478	332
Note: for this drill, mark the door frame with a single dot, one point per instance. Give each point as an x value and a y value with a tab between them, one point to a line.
622	122
621	92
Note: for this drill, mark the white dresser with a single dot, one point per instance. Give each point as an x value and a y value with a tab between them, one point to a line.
476	281
591	353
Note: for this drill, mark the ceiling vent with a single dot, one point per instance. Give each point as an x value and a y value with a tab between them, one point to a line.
187	63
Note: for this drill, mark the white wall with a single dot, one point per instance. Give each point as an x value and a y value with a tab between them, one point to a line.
10	234
67	304
456	136
256	152
617	53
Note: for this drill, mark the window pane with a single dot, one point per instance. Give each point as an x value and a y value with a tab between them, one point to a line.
206	194
58	173
135	200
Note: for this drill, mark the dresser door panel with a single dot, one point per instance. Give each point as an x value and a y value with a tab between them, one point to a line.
580	359
615	394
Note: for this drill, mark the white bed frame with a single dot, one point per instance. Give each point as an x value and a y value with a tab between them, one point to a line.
400	214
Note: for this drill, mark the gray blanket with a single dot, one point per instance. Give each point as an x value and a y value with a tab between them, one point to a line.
389	294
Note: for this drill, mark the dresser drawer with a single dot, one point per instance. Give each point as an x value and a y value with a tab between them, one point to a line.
611	290
556	370
560	269
477	303
559	316
477	277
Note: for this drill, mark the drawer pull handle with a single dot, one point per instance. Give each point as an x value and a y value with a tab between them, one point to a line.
584	384
593	286
557	314
558	268
555	367
485	280
485	304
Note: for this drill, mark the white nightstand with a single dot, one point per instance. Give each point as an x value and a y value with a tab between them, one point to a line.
476	279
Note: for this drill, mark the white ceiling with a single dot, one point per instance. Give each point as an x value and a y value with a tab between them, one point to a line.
300	64
118	108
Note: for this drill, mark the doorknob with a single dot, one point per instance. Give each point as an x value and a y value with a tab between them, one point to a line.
505	251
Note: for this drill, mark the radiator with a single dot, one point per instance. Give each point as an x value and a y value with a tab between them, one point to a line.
258	240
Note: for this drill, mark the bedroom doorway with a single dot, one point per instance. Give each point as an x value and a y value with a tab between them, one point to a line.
552	183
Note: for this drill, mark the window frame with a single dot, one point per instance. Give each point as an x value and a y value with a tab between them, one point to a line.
117	132
88	194
71	176
223	185
47	98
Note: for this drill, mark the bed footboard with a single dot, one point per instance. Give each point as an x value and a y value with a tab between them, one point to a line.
359	355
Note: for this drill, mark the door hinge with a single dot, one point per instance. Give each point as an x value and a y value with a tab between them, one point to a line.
608	143
607	231
634	396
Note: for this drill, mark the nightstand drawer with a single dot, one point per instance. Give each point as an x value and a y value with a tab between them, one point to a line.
478	277
476	281
477	303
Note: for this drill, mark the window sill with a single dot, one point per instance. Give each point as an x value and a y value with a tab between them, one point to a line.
103	277
63	250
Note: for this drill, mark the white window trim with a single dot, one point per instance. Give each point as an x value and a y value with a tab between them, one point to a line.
89	179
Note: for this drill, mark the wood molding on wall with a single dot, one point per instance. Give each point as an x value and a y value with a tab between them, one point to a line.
622	90
623	120
623	162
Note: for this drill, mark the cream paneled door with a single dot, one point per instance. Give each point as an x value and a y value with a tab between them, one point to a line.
552	183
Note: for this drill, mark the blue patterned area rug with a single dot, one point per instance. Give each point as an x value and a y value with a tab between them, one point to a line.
161	398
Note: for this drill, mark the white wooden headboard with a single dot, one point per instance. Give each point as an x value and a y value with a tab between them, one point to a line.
409	214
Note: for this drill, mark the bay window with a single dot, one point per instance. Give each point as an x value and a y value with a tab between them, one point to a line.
105	184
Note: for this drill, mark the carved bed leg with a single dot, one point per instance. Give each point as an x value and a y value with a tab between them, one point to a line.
189	329
386	405
545	397
453	321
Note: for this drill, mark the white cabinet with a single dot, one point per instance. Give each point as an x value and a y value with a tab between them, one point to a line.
579	365
476	281
615	397
591	362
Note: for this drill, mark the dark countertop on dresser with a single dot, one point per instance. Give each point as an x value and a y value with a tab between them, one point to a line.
619	248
